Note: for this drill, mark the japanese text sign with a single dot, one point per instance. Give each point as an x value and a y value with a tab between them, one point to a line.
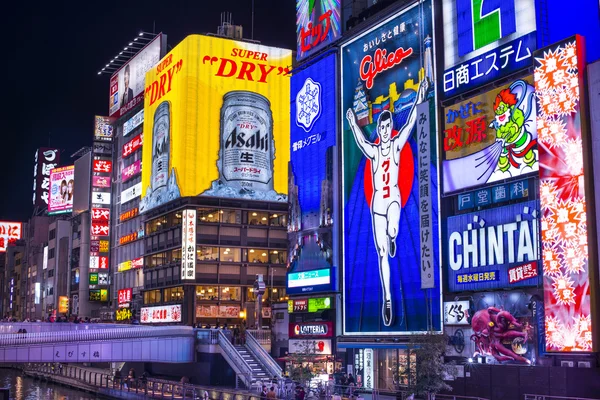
62	184
318	23
103	129
10	232
188	245
46	159
456	312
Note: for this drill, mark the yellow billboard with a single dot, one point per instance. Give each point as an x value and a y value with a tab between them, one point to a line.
217	122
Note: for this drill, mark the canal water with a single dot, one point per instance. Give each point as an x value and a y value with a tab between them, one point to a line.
25	388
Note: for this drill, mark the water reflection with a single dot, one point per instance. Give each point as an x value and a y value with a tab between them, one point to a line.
25	388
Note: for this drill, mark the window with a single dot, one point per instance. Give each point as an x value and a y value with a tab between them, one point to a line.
258	218
229	293
230	254
50	291
277	256
156	260
278	220
207	293
205	253
51	253
231	216
250	294
50	273
258	256
174	294
208	215
152	297
52	234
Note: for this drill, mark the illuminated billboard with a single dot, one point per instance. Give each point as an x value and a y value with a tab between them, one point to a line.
217	122
130	171
389	172
318	23
103	128
127	84
61	190
46	159
492	135
311	177
493	249
485	41
130	147
10	232
131	193
159	314
558	81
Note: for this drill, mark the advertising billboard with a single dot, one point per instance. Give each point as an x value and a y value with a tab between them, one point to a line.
494	248
103	128
390	196
10	232
310	346
485	41
318	23
63	304
212	311
131	193
493	135
127	84
101	181
130	171
217	122
306	329
62	183
311	177
125	296
456	312
133	123
558	82
188	245
129	214
132	145
159	314
46	159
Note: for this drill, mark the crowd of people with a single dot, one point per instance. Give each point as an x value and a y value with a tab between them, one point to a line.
51	318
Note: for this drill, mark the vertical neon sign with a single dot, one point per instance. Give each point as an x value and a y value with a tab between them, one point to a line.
558	79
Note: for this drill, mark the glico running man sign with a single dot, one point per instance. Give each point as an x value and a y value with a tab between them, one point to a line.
390	196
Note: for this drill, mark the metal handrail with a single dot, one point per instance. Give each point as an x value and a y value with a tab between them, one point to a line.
37	327
547	397
262	336
237	361
207	336
20	339
453	397
262	355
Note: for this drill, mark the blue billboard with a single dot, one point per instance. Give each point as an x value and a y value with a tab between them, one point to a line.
491	249
390	186
311	178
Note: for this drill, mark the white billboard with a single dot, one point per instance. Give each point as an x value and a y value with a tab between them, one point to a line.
131	193
127	84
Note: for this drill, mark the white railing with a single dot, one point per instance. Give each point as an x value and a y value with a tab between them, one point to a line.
545	397
235	360
262	336
37	327
21	339
261	354
453	397
207	336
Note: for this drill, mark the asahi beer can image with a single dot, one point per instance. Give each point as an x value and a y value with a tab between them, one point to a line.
217	122
247	146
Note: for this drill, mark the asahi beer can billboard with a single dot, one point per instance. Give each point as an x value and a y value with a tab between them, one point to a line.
217	122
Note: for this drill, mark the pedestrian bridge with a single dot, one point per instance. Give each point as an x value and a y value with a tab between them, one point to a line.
77	343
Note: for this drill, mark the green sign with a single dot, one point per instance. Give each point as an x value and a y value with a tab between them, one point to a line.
93	278
319	303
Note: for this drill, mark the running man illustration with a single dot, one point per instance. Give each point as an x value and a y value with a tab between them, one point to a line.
386	201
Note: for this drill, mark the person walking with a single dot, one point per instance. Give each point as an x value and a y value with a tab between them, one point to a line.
272	395
263	394
236	336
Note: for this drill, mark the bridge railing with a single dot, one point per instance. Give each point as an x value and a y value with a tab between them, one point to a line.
207	336
545	397
262	336
235	360
36	327
154	388
20	339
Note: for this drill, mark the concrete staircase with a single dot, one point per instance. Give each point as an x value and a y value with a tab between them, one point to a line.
259	372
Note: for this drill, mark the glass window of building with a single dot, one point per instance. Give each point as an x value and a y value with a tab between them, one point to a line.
230	254
258	256
208	215
207	293
278	220
152	297
174	294
176	255
207	253
250	294
277	256
258	218
155	260
175	219
230	293
231	216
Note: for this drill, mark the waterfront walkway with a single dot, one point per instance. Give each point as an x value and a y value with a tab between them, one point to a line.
98	381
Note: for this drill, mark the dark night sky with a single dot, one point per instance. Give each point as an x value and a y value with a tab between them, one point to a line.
54	50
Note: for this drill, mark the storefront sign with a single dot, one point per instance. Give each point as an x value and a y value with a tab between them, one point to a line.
321	329
63	304
368	371
456	312
125	296
129	214
319	303
188	245
161	314
309	346
131	264
297	305
133	123
131	193
213	311
132	145
305	281
131	171
123	314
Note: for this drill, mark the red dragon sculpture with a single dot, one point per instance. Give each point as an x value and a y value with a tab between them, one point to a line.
492	327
